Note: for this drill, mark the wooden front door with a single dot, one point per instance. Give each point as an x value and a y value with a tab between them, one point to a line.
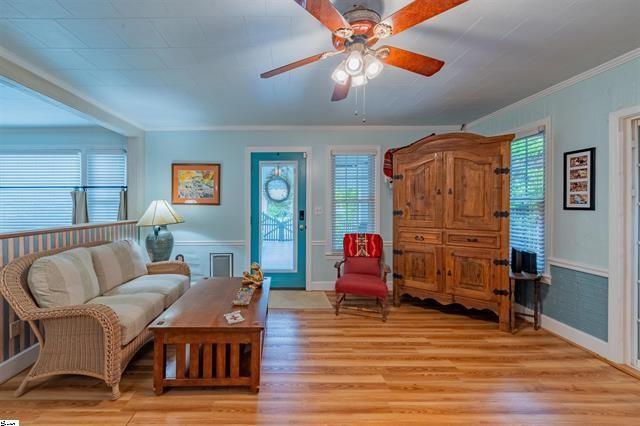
473	187
419	191
421	266
472	273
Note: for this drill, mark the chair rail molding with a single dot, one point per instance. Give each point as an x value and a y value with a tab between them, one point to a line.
182	243
580	267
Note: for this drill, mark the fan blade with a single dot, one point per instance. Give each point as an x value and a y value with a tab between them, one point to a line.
326	13
416	12
297	64
341	91
413	62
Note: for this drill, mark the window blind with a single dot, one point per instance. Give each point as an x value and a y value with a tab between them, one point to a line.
353	191
35	189
528	196
107	169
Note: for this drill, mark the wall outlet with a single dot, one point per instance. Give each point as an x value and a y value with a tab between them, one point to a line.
318	210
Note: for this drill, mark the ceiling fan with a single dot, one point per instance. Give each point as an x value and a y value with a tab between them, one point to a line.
355	33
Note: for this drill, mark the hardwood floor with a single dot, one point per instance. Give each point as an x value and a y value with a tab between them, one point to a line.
422	366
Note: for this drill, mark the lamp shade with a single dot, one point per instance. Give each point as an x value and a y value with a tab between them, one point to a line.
159	213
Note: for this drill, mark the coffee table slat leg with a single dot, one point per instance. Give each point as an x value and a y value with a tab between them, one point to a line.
234	361
181	361
194	358
256	355
159	363
221	360
207	361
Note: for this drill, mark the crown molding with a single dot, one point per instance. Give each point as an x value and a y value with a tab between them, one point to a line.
278	128
613	63
17	72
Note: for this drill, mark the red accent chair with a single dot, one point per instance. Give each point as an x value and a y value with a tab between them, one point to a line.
364	272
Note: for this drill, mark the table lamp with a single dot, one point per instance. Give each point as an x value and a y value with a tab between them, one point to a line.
159	244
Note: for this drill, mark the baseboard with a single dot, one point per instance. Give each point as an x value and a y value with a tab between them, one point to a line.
330	285
16	364
580	338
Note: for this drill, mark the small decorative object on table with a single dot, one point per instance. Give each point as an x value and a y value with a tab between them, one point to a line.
234	317
254	277
243	296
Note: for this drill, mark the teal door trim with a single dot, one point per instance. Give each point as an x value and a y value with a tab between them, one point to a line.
298	278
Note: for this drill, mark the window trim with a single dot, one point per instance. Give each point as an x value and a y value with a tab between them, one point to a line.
355	150
531	129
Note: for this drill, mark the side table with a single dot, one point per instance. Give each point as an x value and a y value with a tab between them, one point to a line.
515	277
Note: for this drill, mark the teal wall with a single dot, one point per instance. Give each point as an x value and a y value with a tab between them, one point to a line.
579	119
221	228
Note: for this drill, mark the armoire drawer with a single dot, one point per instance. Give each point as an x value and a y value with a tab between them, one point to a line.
419	235
472	239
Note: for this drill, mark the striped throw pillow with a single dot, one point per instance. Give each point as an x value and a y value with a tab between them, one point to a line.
64	279
118	262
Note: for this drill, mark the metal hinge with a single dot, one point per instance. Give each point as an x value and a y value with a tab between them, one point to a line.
397	276
396	251
501	170
398	177
501	292
397	212
501	214
502	262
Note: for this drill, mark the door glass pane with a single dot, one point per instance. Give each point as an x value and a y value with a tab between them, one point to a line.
278	221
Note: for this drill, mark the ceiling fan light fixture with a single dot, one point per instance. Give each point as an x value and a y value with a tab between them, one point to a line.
372	66
354	63
340	74
358	80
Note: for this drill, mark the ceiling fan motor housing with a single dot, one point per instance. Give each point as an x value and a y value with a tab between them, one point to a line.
362	21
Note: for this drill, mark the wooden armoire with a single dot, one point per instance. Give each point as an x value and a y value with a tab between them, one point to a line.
451	221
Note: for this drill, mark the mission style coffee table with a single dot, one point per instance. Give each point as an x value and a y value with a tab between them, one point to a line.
209	351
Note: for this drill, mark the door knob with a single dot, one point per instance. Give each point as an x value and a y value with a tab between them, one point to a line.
302	227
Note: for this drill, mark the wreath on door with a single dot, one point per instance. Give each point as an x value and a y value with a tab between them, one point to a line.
277	188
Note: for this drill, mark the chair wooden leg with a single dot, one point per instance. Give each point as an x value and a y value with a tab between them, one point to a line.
338	301
385	310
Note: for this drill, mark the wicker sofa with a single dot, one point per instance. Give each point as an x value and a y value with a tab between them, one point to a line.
95	337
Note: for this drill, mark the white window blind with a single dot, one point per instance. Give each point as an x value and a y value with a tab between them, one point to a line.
35	189
528	195
353	195
105	169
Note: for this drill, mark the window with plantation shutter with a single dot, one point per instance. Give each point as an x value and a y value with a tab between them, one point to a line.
528	196
35	188
353	195
106	175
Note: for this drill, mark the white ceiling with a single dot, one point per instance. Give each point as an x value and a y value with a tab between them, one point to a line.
20	108
182	63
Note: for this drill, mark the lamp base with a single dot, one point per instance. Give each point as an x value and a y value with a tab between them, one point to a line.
159	244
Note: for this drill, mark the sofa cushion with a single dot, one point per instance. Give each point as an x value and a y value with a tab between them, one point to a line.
63	279
171	286
134	311
362	285
118	262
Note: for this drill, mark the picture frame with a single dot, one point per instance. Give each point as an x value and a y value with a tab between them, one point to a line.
195	183
580	179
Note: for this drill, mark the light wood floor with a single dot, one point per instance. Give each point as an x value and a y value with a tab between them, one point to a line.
422	366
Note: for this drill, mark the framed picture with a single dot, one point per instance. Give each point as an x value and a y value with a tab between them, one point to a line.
580	179
195	183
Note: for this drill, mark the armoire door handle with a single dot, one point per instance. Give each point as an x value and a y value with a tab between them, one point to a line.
450	191
449	273
472	240
438	191
438	272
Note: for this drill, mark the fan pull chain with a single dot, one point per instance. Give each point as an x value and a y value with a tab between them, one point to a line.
356	110
364	104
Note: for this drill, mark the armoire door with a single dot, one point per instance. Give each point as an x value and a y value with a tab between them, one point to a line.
471	273
419	191
421	266
473	191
